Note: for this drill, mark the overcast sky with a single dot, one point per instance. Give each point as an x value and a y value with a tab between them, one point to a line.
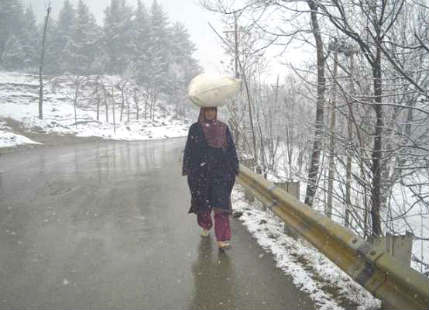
188	12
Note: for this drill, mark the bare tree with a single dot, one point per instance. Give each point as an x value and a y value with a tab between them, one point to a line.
380	16
122	87
42	61
136	101
113	110
315	156
332	123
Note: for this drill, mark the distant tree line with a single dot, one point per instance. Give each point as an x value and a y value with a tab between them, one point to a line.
137	43
19	36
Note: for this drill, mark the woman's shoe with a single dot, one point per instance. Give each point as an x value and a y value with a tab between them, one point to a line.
223	245
205	233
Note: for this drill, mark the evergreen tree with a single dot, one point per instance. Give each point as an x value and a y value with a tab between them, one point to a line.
66	20
82	48
13	54
141	36
21	49
53	62
141	26
183	67
158	56
59	37
159	48
163	61
11	19
182	50
30	40
118	43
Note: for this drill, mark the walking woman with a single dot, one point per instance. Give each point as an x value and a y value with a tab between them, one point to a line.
211	164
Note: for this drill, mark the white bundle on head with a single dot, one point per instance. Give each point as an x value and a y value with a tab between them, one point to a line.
206	90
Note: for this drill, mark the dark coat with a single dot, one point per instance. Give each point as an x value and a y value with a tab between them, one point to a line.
211	171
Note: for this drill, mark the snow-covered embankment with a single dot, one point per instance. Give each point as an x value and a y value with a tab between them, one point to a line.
19	101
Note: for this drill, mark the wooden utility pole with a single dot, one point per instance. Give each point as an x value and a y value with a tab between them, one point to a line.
340	46
42	59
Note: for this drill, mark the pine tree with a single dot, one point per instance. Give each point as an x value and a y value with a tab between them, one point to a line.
183	66
162	60
141	26
182	50
22	48
118	45
66	20
13	54
82	48
59	37
141	36
30	40
11	19
159	48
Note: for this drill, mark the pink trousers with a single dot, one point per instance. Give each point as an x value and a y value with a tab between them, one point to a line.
221	222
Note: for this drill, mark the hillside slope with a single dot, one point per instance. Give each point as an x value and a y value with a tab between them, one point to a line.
141	119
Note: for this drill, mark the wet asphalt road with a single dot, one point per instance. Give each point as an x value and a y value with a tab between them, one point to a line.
105	226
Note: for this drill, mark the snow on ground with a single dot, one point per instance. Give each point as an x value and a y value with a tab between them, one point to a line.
18	78
313	273
9	139
19	101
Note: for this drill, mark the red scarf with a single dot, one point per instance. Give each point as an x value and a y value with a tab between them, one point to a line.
214	130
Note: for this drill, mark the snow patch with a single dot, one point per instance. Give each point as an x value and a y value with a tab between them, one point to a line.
19	101
9	139
313	273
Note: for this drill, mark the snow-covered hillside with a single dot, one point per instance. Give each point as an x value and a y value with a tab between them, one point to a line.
19	102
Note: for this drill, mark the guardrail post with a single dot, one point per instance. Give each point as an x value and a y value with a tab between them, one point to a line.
293	189
398	246
249	163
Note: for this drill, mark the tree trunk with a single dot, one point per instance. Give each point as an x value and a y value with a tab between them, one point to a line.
377	150
76	95
128	108
122	103
246	86
113	111
332	122
349	149
152	106
145	106
136	100
98	99
42	60
315	156
105	103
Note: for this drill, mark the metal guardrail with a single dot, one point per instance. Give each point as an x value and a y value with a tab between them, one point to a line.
397	285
